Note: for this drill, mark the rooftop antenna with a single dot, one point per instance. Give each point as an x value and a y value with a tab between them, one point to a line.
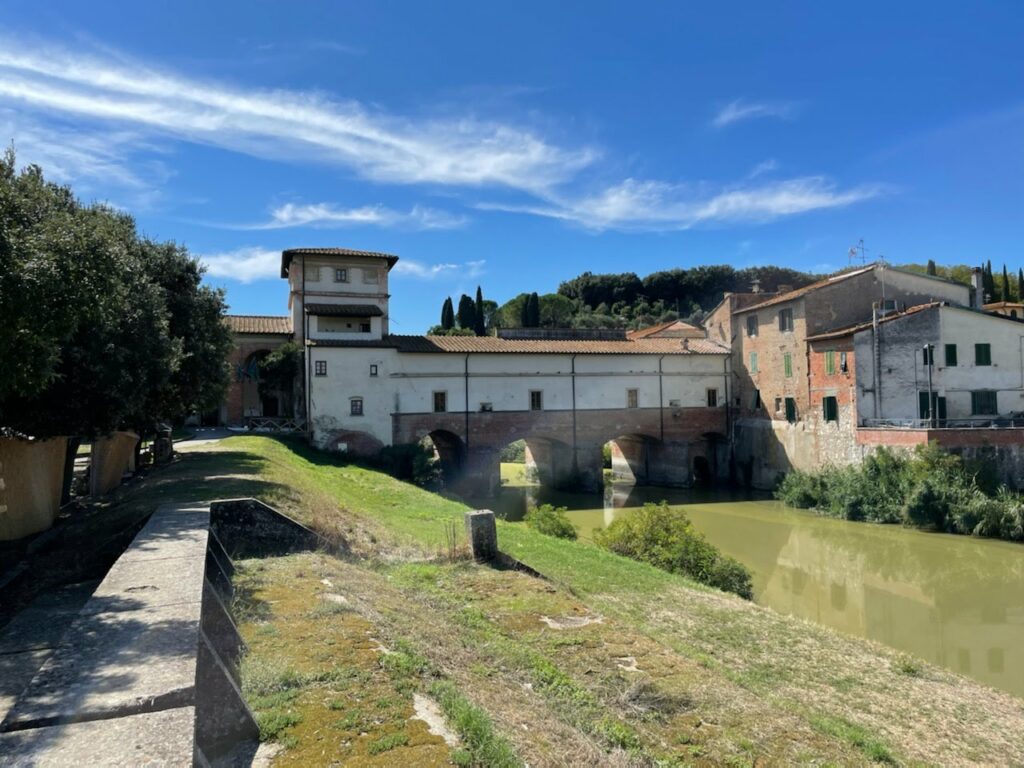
858	251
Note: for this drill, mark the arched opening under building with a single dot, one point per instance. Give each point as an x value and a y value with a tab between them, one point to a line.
448	454
550	463
626	459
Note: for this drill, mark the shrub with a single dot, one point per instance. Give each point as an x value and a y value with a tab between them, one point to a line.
514	452
803	490
927	506
551	521
666	539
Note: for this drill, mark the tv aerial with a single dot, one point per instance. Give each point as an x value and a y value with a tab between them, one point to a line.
858	252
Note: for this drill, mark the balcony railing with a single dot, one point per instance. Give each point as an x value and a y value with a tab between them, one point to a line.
1013	421
275	424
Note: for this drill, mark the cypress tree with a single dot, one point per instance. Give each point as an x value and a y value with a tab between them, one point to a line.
1020	285
478	326
467	312
533	311
931	270
524	313
988	282
447	314
1006	285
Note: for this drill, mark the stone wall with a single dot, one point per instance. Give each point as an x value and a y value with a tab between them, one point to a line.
31	472
111	457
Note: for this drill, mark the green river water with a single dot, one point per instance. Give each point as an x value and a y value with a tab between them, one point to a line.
956	601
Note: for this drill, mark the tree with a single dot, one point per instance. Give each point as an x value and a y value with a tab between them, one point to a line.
555	311
988	282
1006	285
447	314
930	270
280	369
479	326
533	311
1020	285
467	313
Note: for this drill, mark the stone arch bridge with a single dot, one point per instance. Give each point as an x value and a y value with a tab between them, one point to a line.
653	446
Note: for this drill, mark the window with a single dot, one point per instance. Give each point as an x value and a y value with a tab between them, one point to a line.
830	408
536	400
752	325
373	370
843	365
712	397
830	362
984	403
753	362
313	274
355	406
632	398
787	365
778	405
440	402
486	407
320	367
757	400
928	354
364	327
951	355
341	275
785	319
983	354
370	275
791	410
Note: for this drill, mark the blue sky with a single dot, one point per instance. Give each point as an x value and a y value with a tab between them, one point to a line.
516	146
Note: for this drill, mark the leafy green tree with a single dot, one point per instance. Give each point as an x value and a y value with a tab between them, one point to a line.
280	369
555	310
447	314
467	313
479	321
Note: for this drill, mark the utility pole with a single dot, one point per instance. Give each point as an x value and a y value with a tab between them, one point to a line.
929	359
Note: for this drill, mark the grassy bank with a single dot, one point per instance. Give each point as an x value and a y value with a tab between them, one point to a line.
609	662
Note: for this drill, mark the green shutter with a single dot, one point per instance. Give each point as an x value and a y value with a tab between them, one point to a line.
790	410
982	354
787	365
830	362
830	407
753	362
951	355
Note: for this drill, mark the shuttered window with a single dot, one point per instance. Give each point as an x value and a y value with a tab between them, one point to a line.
951	355
984	403
983	354
787	365
753	362
830	362
830	408
790	410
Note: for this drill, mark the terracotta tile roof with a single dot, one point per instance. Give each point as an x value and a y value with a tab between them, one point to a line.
288	255
344	310
1003	305
492	344
673	329
262	324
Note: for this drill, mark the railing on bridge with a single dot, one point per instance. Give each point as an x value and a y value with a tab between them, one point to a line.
1016	421
275	424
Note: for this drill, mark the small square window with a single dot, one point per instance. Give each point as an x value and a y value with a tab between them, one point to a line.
632	398
370	275
785	319
355	406
712	397
440	402
486	407
536	400
778	405
373	370
341	275
752	325
983	354
364	327
320	368
313	274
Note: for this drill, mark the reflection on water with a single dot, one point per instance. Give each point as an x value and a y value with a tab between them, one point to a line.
953	600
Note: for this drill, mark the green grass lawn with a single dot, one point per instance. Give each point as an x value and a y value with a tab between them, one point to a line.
716	680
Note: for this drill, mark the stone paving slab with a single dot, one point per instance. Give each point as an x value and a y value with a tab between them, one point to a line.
142	584
111	664
146	740
171	534
16	672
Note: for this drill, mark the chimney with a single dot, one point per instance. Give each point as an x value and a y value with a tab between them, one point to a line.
977	295
785	288
755	286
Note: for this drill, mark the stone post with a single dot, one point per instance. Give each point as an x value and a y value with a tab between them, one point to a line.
482	534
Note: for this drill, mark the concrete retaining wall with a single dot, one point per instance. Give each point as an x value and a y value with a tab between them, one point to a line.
30	481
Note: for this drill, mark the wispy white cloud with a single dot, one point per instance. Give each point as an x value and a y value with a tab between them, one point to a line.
421	271
740	109
243	264
329	216
300	125
765	166
658	206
